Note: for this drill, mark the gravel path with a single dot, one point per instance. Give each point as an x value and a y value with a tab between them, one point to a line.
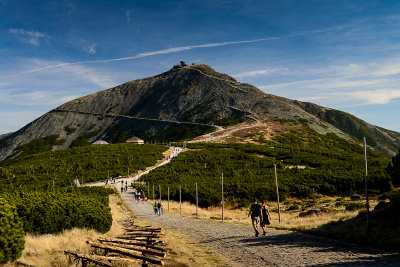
278	248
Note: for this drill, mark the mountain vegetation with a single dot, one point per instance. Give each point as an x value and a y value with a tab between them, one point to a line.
306	163
12	236
86	163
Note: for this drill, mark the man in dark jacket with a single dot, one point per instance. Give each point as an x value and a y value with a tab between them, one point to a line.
256	215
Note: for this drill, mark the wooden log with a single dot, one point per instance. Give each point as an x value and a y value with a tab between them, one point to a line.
90	258
20	263
142	235
131	242
142	229
138	238
136	248
125	252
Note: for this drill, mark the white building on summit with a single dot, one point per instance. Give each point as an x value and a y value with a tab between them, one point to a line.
135	140
100	142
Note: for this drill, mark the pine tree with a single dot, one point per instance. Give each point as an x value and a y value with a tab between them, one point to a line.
393	169
12	235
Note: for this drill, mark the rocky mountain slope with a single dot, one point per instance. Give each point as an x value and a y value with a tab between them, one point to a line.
180	103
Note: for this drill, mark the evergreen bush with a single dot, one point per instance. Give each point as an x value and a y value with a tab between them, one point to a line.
12	236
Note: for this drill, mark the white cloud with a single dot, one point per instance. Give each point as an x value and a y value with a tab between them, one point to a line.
128	15
260	72
33	98
381	96
31	37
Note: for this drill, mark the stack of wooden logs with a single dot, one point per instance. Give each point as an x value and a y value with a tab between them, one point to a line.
139	245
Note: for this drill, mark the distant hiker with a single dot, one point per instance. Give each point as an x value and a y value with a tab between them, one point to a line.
126	185
122	189
256	215
155	207
144	197
159	207
138	196
266	216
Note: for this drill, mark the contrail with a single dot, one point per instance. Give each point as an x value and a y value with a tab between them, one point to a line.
174	50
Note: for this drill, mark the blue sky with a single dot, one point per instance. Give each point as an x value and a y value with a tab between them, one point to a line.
340	54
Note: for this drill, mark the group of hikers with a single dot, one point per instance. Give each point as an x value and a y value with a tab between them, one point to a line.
124	186
259	216
139	195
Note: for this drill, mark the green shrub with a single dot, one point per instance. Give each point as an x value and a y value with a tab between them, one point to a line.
12	236
354	206
293	207
53	212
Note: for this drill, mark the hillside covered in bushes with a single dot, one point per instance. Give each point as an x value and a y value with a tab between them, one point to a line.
89	163
306	164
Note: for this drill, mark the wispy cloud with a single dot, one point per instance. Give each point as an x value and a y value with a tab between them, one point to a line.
179	49
31	37
260	72
128	14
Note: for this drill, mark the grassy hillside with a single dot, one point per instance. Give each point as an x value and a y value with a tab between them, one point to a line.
307	162
89	163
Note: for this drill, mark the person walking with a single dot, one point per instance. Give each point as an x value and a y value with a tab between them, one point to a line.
138	196
126	186
155	207
266	216
256	215
159	207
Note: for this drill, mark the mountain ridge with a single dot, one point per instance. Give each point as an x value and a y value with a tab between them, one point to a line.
196	95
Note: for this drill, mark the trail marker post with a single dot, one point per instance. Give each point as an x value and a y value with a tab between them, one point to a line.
180	202
222	196
277	193
197	202
366	182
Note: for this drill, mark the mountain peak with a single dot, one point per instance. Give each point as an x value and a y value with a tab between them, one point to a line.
184	102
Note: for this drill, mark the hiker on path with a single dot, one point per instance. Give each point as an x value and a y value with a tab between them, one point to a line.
144	197
122	189
266	216
138	196
155	207
256	215
159	208
126	185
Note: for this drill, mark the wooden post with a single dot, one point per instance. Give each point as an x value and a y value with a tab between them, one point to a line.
153	192
366	183
277	193
168	198
180	202
159	191
222	196
197	202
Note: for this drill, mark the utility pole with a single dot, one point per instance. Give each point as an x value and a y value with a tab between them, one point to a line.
180	201
168	198
222	196
366	183
277	193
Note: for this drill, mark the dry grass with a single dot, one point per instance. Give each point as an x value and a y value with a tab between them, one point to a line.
290	220
48	250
